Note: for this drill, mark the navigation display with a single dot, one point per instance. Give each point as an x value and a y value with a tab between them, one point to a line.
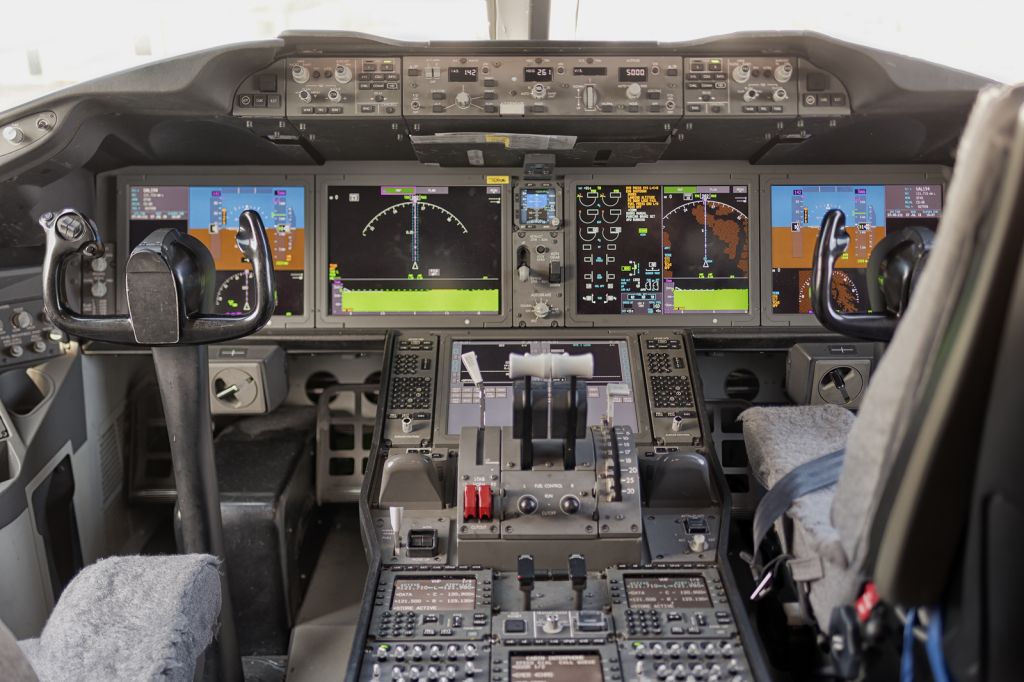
551	667
611	366
667	592
662	249
872	211
409	250
434	594
210	214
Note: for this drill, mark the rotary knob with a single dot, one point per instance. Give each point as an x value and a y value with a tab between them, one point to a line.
783	72
16	351
14	134
98	289
633	91
21	319
698	543
39	346
541	309
305	95
780	95
741	74
539	91
334	95
300	74
462	100
589	97
343	74
750	94
98	264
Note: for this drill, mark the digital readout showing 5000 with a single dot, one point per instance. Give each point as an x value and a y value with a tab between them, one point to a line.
633	74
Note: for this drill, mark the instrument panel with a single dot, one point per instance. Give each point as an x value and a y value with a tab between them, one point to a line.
678	244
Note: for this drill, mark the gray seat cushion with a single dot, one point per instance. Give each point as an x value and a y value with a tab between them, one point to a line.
14	666
779	439
131	618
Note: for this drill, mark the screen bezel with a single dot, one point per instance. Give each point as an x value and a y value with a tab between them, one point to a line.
413	577
769	180
426	320
518	653
687	177
227	178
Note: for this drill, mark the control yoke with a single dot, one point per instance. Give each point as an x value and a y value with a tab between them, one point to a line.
832	242
169	285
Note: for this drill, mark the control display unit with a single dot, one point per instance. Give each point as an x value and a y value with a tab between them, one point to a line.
414	250
555	667
611	366
662	249
667	592
872	211
434	594
210	213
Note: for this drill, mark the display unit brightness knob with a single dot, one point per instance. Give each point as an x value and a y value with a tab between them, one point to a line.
343	74
300	74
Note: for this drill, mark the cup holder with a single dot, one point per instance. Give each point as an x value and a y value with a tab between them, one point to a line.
22	391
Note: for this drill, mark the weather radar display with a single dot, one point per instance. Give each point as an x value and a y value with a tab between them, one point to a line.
211	215
662	249
410	250
872	212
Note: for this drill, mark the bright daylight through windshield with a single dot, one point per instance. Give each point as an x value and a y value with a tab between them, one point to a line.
40	57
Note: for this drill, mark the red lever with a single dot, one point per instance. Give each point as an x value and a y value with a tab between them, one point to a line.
470	510
486	504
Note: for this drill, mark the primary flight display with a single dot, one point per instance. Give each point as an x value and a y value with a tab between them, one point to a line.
662	249
211	213
414	250
872	212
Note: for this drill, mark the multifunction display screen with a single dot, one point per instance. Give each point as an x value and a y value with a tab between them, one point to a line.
872	212
211	214
574	667
667	592
410	250
434	594
662	249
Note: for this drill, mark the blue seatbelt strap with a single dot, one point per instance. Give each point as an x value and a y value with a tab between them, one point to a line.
907	660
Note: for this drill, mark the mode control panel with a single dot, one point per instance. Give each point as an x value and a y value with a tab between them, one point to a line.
517	86
411	392
670	390
343	87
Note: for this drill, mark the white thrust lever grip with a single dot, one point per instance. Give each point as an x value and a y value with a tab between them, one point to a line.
469	361
551	366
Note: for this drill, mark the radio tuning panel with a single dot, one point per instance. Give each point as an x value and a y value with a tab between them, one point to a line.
557	86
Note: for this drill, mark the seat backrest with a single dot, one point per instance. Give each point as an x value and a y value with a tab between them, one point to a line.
14	666
895	388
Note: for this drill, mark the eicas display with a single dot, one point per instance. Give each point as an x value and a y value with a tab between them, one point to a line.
405	250
662	249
